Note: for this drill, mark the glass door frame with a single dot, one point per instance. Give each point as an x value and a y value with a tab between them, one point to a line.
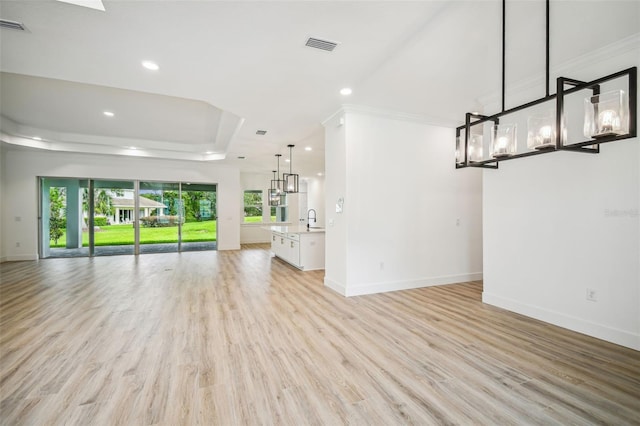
91	198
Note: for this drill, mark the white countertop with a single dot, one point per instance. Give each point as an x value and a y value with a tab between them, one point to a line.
294	229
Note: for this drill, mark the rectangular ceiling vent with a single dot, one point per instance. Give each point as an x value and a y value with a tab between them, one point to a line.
321	44
261	132
5	23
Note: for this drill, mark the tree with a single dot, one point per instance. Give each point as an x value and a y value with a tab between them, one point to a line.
57	209
192	204
171	200
56	227
103	203
199	205
253	203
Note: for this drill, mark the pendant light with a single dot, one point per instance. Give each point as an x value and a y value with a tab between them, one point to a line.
277	185
608	117
274	196
291	185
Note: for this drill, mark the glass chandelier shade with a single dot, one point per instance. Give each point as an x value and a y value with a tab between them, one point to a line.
291	180
503	140
459	150
606	114
475	147
541	132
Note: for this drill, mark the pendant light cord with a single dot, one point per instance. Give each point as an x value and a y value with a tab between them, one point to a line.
547	47
503	49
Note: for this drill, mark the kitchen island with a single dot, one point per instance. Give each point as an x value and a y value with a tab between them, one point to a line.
299	246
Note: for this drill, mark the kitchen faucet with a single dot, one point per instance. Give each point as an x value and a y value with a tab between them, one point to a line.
309	217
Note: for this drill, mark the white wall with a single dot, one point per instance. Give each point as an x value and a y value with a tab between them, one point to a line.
561	223
410	218
21	187
335	188
316	199
2	203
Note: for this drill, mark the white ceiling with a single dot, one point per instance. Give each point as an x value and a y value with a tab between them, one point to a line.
230	68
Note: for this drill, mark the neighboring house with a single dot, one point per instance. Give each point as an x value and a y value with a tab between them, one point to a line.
124	207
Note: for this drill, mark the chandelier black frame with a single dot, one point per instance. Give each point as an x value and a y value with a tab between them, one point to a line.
588	146
291	180
276	190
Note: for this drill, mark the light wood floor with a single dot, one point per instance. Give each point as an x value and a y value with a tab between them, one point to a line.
235	338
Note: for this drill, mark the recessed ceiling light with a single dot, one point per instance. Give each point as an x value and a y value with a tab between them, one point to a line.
346	91
209	152
37	138
150	65
320	174
308	148
133	148
108	113
287	160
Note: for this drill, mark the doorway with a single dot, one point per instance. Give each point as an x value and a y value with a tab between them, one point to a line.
86	217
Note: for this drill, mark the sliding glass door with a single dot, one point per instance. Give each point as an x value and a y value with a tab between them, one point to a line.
160	217
199	231
114	219
63	217
84	217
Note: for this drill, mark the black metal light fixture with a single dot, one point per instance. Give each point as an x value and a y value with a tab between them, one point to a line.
277	186
607	117
274	195
291	185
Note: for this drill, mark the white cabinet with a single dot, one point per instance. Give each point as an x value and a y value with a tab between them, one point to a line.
302	250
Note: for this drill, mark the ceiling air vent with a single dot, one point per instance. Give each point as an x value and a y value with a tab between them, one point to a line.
5	23
321	44
261	132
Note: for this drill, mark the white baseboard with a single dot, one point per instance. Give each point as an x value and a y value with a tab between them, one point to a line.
383	287
581	325
19	258
335	286
254	240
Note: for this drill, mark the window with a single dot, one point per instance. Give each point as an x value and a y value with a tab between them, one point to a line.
253	206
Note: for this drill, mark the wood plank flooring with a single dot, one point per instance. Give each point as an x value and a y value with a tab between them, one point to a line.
239	338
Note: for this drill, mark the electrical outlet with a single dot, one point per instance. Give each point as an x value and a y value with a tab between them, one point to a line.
17	244
381	266
591	295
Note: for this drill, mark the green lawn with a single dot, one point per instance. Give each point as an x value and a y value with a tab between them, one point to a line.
114	235
256	219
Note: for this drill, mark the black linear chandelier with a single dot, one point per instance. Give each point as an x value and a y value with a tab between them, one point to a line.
291	185
609	114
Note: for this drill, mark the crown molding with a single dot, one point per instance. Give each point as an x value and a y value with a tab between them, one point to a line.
571	67
391	114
